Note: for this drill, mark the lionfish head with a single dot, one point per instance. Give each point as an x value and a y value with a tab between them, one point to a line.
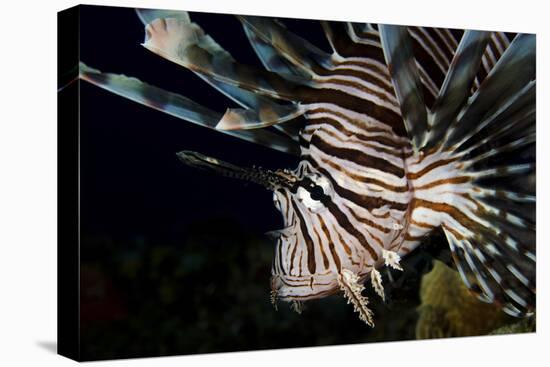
305	265
306	262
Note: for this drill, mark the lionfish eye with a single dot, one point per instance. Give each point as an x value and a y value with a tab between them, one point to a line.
316	192
320	186
312	190
304	196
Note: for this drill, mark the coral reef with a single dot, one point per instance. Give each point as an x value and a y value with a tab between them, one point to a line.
449	309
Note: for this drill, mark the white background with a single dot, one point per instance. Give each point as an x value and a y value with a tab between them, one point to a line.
28	182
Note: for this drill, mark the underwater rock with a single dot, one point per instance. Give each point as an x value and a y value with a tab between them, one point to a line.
527	325
449	309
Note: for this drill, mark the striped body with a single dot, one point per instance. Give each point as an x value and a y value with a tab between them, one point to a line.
365	209
380	197
376	179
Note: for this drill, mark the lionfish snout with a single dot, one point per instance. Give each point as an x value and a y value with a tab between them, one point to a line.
271	180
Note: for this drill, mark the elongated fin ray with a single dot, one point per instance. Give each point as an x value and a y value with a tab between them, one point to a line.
501	116
148	15
186	44
512	72
301	53
488	216
520	123
496	46
149	95
490	274
180	107
433	49
457	84
406	81
345	42
237	119
243	97
363	33
270	56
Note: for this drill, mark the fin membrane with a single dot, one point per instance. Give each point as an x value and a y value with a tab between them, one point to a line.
186	44
181	107
486	201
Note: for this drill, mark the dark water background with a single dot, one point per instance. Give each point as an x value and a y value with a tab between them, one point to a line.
174	260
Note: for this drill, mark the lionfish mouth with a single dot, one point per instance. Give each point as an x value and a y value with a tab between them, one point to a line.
271	180
309	290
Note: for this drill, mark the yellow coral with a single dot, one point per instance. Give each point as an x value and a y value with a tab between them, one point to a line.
449	309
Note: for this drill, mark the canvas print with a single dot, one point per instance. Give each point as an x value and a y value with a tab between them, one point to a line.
242	182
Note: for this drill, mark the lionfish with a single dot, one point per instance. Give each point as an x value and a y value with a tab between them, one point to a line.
407	130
